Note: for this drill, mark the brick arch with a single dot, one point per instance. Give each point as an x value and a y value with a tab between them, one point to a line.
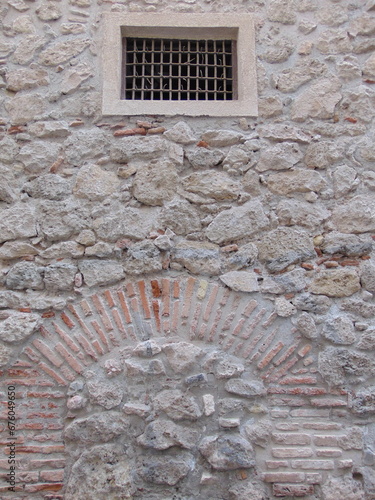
196	311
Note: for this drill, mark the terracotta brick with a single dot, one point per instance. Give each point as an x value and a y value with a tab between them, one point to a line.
52	373
269	357
101	334
156	310
292	490
52	475
287	477
326	440
292	452
328	402
144	301
276	464
291	438
250	307
109	298
81	322
333	453
43	487
46	351
188	297
298	380
313	464
44	450
72	361
102	313
155	289
210	303
166	300
69	323
124	306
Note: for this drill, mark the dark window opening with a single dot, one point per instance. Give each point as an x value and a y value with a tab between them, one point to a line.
179	70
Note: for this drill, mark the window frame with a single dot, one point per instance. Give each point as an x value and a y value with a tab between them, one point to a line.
238	27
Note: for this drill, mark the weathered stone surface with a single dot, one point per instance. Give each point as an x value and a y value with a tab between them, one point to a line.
279	157
368	276
338	366
237	223
135	367
306	325
180	133
143	257
5	354
334	41
318	101
49	186
284	246
51	129
180	216
336	283
245	388
59	276
38	156
355	216
216	185
155	183
23	24
48	11
102	471
25	108
145	148
278	49
358	306
94	183
349	245
147	349
339	330
204	158
85	144
332	15
348	68
99	427
243	257
369	67
282	11
166	470
8	150
197	257
296	181
344	180
284	308
61	52
289	80
227	452
100	249
241	281
367	340
280	133
106	393
15	249
259	433
162	434
65	249
343	487
229	367
177	405
97	272
222	138
19	326
270	107
363	402
27	47
74	77
25	275
301	213
241	491
23	79
181	355
363	25
237	157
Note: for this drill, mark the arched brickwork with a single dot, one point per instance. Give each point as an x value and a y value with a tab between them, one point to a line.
301	445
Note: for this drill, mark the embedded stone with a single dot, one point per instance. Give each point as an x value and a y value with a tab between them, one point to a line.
5	354
177	405
145	148
106	393
147	349
245	388
318	101
282	11
339	330
348	68
259	433
181	355
237	157
279	157
222	138
357	306
145	368
296	181
94	183
349	245
344	180
363	402
368	276
180	133
270	107
19	326
289	80
198	257
143	257
8	150
247	491
27	47
306	325
60	276
16	249
138	409
332	15
180	216
281	133
339	366
227	452
284	246
336	283
237	223
74	77
243	257
97	272
301	213
334	41
204	158
61	52
322	154
100	427
113	367
65	249
367	340
343	487
355	216
166	470
85	144
363	25
216	185
228	368
23	24
38	156
100	249
26	108
48	11
23	79
369	67
284	308
278	49
52	129
155	183
24	275
163	242
162	434
241	281
49	186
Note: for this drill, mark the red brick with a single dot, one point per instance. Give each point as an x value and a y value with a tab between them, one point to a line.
175	316
326	440
130	290
41	449
210	303
52	373
239	327
43	487
120	325
188	296
287	477
333	453
176	290
52	475
276	464
100	332
304	350
287	426
328	402
66	338
322	426
46	351
269	357
307	413
314	478
69	323
81	322
144	301
250	307
292	490
292	452
109	298
86	346
291	438
58	463
298	380
248	331
102	313
313	464
156	311
306	391
27	476
155	289
124	306
72	361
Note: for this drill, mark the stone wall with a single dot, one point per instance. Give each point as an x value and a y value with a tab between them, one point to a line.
187	303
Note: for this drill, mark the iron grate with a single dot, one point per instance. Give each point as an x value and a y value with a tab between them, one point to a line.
179	70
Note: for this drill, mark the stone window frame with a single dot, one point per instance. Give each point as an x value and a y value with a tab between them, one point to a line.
238	27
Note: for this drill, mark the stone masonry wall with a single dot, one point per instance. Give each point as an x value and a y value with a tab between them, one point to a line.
187	304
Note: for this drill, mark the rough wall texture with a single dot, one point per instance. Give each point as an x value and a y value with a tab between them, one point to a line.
187	304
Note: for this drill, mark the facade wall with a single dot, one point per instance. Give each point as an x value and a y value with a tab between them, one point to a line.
187	302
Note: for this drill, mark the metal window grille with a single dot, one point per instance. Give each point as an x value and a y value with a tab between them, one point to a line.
179	70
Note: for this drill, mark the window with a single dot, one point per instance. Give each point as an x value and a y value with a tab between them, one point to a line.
179	64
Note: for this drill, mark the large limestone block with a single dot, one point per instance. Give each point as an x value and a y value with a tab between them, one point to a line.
289	80
85	144
145	148
322	154
162	434
198	257
336	283
241	281
347	244
180	216
296	181
301	213
279	157
180	133
216	185
99	427
177	405
237	223
25	108
355	216
27	47
97	272
368	276
19	221
49	186
23	79
19	326
38	156
61	52
204	158
334	41
155	183
227	452
60	276
318	101
25	275
94	183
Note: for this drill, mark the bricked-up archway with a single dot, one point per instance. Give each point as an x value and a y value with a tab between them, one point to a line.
297	449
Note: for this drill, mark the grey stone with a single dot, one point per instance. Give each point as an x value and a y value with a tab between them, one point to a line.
339	330
181	355
243	257
367	340
106	393
305	70
85	144
301	213
150	368
162	434
296	181
38	156
369	67
180	216
338	366
23	79
96	272
284	246
293	281
27	47
99	427
198	257
65	249
251	183
177	405
336	283
5	354
94	183
35	300
8	150
196	380
332	15
147	349
343	487
49	186
113	367
368	276
59	276
25	108
155	183
306	325
59	219
280	133
363	402
74	77
227	452
241	281
355	216
50	129
61	52
357	306
100	249
279	157
312	303
259	433
180	133
334	41
227	368
138	409
204	158
24	275
15	249
245	388
143	257
166	470
282	11
216	185
48	11
163	242
284	308
19	326
349	245
278	49
222	138
242	491
237	157
270	107
237	223
145	148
